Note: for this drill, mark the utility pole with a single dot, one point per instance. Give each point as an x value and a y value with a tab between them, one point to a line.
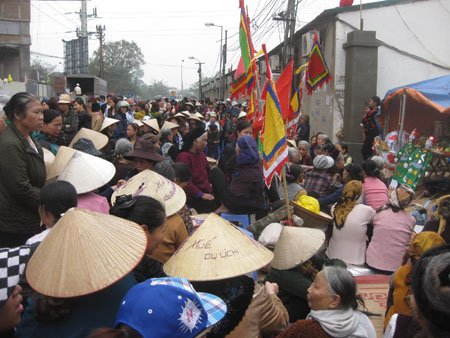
83	33
289	19
101	35
224	59
200	79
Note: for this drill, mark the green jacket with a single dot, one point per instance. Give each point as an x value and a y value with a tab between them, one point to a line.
22	174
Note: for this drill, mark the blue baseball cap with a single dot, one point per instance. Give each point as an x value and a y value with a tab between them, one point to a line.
169	307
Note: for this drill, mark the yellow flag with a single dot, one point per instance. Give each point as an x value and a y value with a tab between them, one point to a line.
9	78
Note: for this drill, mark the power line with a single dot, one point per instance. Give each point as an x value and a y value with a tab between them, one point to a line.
51	17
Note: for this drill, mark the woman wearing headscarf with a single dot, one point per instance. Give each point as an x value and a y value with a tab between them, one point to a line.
399	299
348	239
392	230
441	218
245	193
199	190
303	151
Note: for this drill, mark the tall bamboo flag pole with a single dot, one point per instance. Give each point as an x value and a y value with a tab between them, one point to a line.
360	15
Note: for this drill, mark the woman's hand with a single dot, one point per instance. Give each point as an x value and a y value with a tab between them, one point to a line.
271	288
120	183
207	197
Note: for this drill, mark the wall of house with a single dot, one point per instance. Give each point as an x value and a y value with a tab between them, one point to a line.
15	38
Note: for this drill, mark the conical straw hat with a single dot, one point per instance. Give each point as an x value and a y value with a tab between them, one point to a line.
62	157
49	158
180	115
138	122
108	122
152	123
85	252
295	246
169	125
100	140
87	172
186	113
217	250
200	116
149	183
194	117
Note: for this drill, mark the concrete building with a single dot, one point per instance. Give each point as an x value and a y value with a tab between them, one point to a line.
402	41
15	39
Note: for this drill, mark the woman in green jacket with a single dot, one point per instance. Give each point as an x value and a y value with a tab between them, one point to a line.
22	171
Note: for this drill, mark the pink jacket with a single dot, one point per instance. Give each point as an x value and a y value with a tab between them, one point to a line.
391	236
375	193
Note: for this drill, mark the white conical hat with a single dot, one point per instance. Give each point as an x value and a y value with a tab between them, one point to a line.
200	116
217	250
169	125
152	123
85	252
150	183
100	140
49	158
138	122
295	246
87	172
62	157
108	122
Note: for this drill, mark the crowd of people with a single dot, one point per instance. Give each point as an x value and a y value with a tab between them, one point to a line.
109	227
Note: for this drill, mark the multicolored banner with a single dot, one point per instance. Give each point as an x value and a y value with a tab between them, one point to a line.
317	72
243	81
275	153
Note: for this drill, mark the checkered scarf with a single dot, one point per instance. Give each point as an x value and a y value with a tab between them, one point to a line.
12	266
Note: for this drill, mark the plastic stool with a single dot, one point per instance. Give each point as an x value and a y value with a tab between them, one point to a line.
244	219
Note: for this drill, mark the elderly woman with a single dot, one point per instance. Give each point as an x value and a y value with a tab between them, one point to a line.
430	296
123	166
392	230
245	194
199	191
400	289
333	302
50	130
303	128
303	152
297	261
319	180
348	239
22	171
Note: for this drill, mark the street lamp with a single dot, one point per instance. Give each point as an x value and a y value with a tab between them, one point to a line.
210	24
182	77
199	75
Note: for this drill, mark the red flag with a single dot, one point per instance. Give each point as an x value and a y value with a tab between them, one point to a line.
345	3
283	86
317	72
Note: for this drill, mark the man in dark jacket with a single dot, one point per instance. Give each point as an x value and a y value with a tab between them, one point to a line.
69	121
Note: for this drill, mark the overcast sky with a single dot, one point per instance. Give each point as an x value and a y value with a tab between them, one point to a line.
167	31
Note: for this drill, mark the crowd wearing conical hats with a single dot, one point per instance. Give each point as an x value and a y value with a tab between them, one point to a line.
153	220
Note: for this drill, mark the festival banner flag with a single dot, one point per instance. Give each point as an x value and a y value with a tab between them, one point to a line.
243	81
275	153
295	109
317	72
284	86
252	110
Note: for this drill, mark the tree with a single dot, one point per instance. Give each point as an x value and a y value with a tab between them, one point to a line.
45	69
122	66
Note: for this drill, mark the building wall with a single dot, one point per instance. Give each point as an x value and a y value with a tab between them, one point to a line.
414	37
419	28
15	39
